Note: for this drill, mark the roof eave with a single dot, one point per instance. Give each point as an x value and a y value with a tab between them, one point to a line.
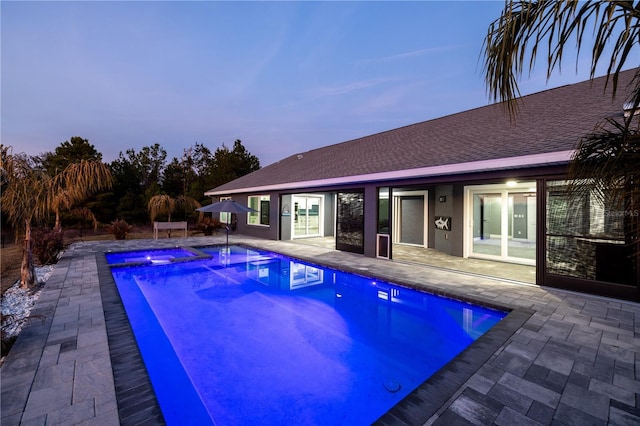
446	169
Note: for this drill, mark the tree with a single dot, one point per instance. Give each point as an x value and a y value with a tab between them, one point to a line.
76	183
127	188
607	161
201	162
137	179
232	164
198	170
243	162
151	161
31	194
25	200
72	151
164	205
175	178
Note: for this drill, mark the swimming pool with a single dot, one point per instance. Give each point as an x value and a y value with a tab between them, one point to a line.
270	338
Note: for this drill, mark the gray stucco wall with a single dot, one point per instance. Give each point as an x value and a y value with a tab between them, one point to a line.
442	239
329	214
457	222
285	216
267	232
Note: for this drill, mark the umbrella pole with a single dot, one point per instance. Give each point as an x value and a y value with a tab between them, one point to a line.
228	215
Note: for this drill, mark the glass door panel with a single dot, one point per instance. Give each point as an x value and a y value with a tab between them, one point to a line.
306	216
299	217
504	223
522	226
488	211
313	216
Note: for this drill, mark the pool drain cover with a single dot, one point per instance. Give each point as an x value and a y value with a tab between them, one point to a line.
392	385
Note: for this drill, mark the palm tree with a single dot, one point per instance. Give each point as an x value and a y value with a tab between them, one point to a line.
606	162
25	200
163	204
76	183
29	195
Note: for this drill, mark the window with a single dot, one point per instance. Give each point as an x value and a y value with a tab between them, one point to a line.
260	203
224	216
350	222
383	210
383	238
585	235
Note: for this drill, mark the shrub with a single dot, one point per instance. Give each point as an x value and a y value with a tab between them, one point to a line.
119	228
210	225
46	245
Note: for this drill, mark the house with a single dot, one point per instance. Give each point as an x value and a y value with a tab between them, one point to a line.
472	184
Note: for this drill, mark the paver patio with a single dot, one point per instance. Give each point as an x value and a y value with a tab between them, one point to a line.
575	359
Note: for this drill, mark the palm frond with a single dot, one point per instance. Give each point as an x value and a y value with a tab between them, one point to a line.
524	27
25	197
159	205
82	179
606	164
86	214
185	202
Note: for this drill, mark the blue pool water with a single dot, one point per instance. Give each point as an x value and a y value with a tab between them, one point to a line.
252	337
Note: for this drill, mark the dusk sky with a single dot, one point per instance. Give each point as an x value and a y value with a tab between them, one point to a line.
283	77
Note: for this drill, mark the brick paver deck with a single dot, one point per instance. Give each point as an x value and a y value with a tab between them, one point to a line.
574	359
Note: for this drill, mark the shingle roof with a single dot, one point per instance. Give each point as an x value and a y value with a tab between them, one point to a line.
547	122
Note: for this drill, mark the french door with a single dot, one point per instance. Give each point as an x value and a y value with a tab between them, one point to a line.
503	222
307	216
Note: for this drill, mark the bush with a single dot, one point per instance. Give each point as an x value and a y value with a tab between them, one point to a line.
210	225
46	245
119	228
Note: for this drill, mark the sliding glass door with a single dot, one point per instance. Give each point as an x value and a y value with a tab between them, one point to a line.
503	222
307	216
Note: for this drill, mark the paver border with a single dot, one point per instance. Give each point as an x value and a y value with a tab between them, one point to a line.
137	402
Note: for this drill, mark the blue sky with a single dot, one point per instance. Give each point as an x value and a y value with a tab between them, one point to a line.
283	77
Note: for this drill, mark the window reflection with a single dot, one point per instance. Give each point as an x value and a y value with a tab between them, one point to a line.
584	238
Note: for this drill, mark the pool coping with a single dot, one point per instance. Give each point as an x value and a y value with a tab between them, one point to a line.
197	255
136	397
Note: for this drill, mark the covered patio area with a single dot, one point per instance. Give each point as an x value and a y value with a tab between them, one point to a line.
426	256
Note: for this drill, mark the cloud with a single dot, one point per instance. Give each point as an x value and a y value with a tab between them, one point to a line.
350	87
412	54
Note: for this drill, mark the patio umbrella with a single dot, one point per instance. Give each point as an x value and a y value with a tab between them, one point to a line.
226	206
